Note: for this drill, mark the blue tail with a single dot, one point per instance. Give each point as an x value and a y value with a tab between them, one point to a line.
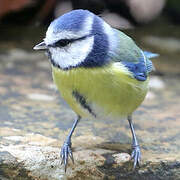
150	54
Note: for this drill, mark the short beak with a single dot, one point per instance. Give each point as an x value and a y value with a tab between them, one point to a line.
40	46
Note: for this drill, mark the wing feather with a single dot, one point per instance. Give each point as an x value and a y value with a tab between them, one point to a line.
132	57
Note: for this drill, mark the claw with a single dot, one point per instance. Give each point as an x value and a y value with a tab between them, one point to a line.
136	155
65	153
71	155
66	148
132	155
65	158
62	160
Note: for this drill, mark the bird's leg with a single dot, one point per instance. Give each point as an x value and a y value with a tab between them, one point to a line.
136	152
66	148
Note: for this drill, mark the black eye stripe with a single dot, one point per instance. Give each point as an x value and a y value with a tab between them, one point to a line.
65	42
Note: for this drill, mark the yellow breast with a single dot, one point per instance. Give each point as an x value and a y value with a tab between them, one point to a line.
111	88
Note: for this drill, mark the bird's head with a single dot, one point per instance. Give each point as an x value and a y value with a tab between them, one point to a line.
78	39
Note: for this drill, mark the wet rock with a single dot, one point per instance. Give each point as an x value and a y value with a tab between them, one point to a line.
43	162
38	162
32	131
121	158
33	139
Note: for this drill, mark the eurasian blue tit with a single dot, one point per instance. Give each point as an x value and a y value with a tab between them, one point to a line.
99	71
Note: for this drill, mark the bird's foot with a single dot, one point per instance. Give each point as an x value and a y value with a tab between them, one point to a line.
65	153
136	155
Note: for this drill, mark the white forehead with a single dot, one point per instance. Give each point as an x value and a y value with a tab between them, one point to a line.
52	36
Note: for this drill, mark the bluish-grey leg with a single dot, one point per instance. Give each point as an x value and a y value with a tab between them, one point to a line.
136	152
66	148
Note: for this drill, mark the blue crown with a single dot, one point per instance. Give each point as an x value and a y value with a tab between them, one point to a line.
71	21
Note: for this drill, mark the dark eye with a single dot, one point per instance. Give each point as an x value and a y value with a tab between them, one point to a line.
62	42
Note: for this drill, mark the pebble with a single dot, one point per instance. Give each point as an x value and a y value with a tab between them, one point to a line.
121	157
40	97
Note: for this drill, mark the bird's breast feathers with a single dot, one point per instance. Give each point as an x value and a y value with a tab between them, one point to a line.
109	90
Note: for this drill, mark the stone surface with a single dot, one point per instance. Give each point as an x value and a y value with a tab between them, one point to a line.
34	122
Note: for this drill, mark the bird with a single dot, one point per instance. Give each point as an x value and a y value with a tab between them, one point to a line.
99	71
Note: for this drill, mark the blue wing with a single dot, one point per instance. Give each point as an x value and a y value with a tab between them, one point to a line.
141	69
132	57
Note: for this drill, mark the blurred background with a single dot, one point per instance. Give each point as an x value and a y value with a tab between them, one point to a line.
153	24
28	97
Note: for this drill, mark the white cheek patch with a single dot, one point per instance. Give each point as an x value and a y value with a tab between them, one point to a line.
73	54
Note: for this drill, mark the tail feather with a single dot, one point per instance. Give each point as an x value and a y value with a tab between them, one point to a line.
150	54
149	66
